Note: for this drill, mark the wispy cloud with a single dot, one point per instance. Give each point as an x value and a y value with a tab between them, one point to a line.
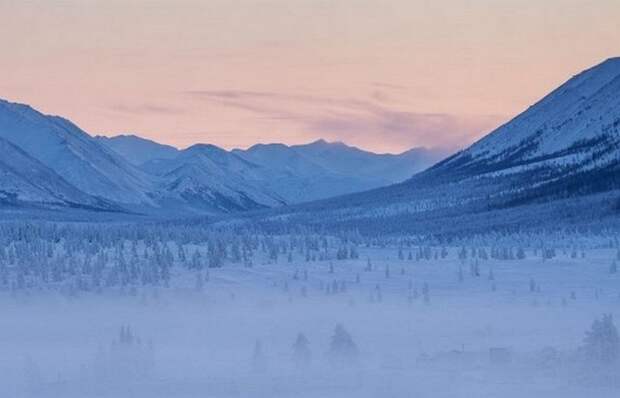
145	109
351	119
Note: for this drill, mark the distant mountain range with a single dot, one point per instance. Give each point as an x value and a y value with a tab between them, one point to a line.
48	162
560	157
558	160
272	174
73	156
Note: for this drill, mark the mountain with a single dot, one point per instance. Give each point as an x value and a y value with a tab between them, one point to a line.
271	174
383	168
322	169
48	161
292	174
137	150
562	155
565	129
26	181
71	153
88	172
567	143
209	178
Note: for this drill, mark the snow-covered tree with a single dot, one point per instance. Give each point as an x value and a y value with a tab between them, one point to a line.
301	351
342	348
602	342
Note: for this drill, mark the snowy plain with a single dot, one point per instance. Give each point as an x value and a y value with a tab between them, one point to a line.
433	323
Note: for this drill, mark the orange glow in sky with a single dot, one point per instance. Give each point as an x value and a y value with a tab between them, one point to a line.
385	75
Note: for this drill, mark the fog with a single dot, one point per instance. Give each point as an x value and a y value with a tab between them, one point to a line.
435	328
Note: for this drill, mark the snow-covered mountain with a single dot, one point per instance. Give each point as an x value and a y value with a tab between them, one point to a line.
26	181
296	177
50	161
566	144
83	171
575	128
383	168
71	153
273	174
563	148
209	178
322	169
138	150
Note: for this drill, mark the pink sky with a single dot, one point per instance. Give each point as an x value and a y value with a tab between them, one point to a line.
384	75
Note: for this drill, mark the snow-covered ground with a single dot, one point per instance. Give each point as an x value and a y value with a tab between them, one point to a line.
438	327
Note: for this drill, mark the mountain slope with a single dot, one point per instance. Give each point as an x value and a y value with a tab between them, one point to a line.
574	128
143	176
563	151
385	169
138	150
209	178
322	169
292	174
288	174
571	134
26	181
73	154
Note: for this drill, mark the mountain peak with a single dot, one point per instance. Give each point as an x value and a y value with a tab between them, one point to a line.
123	136
81	160
573	129
137	150
259	146
204	147
324	143
6	102
611	61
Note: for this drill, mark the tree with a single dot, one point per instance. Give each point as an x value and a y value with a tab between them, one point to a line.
258	358
444	252
199	285
342	349
602	342
196	262
426	293
301	351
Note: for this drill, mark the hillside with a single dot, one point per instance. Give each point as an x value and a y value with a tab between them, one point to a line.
562	155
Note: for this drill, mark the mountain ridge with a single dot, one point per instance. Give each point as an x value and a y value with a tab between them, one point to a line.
564	147
564	150
62	146
303	172
27	181
136	175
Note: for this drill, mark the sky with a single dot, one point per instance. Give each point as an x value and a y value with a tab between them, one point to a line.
384	75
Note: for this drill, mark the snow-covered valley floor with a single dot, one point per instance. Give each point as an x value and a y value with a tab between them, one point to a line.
444	327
